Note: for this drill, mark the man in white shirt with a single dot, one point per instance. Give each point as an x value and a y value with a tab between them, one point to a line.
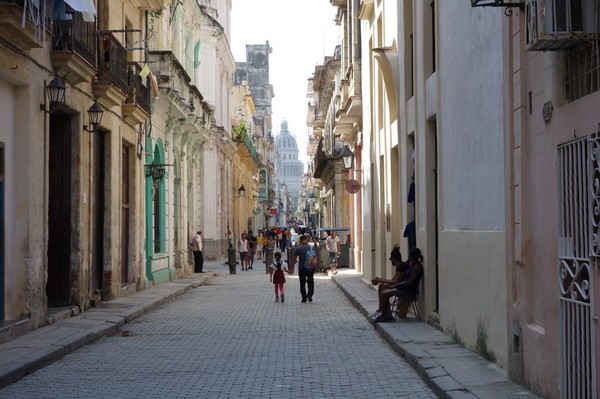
196	247
333	248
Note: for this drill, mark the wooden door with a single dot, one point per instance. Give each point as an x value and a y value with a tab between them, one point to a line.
59	211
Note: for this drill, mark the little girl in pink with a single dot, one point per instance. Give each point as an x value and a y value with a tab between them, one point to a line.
277	277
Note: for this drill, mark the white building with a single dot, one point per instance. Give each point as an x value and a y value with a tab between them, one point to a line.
289	168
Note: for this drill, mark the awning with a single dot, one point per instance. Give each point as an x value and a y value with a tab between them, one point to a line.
85	7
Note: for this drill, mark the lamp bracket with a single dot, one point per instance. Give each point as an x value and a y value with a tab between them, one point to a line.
498	3
92	130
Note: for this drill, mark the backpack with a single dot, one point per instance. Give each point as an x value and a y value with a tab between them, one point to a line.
311	262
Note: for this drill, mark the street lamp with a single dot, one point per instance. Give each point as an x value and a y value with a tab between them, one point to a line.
94	116
242	191
55	90
347	157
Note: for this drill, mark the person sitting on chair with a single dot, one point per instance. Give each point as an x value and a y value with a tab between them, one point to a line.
384	284
408	288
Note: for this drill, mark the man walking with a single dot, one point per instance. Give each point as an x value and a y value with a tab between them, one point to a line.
333	249
306	275
196	246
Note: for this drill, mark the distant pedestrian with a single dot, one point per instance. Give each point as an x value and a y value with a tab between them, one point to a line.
196	247
277	276
260	243
251	250
333	249
243	250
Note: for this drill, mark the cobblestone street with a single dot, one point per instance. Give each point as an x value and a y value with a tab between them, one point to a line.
230	339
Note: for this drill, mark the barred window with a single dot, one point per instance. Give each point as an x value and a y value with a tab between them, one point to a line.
582	71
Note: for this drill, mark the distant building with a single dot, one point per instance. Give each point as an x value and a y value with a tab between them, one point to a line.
255	71
289	168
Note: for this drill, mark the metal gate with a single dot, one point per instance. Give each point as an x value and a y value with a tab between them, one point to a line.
579	252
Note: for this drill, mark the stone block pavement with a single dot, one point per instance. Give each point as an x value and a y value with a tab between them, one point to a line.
451	370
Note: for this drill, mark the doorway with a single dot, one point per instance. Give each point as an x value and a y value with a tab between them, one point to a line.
58	287
98	198
125	211
1	231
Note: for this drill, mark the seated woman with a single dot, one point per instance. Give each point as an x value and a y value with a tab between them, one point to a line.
384	284
407	288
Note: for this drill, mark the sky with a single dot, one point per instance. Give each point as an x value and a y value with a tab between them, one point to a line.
301	34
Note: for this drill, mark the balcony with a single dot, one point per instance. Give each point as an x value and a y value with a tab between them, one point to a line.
321	161
136	108
26	38
349	115
149	4
74	47
110	84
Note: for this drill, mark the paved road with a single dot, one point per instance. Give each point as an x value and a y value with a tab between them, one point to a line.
229	339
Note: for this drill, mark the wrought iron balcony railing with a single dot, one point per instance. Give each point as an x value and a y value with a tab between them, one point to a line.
112	62
76	35
138	90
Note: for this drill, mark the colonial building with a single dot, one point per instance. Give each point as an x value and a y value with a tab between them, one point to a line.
117	148
75	106
432	166
329	187
476	126
254	73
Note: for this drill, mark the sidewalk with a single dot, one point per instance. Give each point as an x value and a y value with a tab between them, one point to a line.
451	370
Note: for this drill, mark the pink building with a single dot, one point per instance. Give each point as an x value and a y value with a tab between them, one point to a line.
552	115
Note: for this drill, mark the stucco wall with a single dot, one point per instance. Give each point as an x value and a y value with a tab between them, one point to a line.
473	290
471	134
472	269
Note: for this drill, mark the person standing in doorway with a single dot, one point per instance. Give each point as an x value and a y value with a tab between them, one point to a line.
333	249
196	247
306	275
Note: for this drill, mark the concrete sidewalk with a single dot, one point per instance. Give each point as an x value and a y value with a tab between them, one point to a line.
450	369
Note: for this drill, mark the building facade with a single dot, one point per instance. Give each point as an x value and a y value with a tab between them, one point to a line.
551	132
79	179
475	128
103	185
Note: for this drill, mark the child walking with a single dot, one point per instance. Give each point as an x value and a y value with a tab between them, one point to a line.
277	277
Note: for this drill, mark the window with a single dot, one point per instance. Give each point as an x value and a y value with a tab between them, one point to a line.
581	71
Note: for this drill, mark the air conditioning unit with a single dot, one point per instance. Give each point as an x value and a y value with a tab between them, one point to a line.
554	25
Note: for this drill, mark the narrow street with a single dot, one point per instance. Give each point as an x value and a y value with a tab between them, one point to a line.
230	339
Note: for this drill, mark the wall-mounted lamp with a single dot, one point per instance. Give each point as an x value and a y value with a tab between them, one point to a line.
241	192
55	91
95	114
156	170
347	157
224	139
